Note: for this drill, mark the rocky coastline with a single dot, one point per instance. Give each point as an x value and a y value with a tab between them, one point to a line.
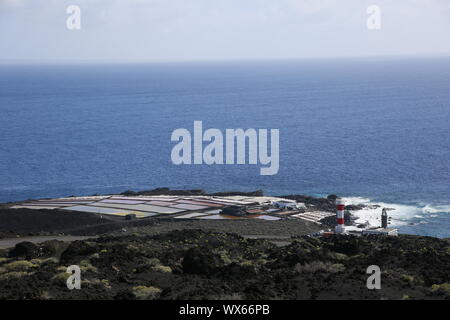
236	259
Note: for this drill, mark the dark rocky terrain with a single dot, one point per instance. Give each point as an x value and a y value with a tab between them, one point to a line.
196	264
27	222
15	222
34	222
322	204
192	192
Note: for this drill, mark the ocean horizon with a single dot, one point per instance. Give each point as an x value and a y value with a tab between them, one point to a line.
370	130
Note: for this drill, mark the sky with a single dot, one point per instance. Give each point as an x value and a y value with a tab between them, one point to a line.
196	30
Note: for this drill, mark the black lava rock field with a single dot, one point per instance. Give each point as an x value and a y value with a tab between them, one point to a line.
195	264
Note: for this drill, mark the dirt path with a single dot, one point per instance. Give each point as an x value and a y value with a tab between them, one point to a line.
279	241
9	243
248	227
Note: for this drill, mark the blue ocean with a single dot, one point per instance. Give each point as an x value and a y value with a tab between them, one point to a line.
377	130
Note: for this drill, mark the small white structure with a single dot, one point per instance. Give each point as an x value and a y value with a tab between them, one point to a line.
381	231
287	204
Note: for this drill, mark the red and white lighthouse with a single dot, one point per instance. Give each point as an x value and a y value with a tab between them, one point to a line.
340	207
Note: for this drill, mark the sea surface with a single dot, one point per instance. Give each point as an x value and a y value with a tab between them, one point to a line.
370	130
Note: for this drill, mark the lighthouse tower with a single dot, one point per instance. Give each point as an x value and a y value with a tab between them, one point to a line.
384	218
340	207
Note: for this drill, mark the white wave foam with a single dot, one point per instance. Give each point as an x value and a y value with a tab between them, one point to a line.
435	209
399	214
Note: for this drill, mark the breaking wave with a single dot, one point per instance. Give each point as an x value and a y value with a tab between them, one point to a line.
400	214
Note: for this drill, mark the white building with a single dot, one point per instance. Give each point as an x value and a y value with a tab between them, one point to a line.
381	231
288	204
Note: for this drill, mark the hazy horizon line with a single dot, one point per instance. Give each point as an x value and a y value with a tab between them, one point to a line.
231	60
